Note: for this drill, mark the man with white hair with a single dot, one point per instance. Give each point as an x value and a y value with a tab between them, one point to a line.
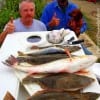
26	22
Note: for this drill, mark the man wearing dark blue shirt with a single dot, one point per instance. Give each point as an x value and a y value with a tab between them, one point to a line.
56	15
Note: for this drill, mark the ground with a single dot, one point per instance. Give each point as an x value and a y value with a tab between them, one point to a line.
92	36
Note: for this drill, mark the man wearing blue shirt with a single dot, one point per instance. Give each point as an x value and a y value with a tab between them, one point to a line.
56	15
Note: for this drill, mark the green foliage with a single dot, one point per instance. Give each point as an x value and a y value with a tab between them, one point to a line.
39	7
11	9
92	29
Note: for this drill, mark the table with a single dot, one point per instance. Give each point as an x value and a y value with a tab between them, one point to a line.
96	70
17	42
9	81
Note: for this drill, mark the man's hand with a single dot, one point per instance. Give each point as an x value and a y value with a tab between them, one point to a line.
8	29
10	26
54	21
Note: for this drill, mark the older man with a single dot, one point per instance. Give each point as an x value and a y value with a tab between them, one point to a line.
56	15
25	23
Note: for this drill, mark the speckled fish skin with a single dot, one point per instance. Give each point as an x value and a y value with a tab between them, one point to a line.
63	81
51	96
62	95
63	65
36	60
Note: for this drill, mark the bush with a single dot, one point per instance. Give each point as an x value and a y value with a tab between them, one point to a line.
39	7
9	9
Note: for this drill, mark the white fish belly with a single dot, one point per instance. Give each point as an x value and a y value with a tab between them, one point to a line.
63	65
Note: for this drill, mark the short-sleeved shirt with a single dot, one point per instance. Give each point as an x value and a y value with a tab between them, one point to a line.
36	26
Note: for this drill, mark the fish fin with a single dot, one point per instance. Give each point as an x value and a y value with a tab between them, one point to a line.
68	53
5	63
83	71
21	53
34	47
30	73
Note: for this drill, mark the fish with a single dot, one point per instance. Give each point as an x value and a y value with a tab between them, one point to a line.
60	81
63	95
37	60
52	49
72	65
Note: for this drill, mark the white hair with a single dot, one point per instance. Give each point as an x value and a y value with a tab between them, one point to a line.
28	1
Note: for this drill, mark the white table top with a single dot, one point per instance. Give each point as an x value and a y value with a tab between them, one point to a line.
12	44
9	82
96	70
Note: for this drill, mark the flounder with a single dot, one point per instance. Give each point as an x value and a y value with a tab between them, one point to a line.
61	81
63	95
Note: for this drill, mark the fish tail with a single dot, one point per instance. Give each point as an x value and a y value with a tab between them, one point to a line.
11	61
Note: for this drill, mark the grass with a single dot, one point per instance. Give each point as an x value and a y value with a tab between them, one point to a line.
92	29
92	32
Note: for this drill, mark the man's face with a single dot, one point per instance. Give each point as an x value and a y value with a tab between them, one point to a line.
62	3
27	11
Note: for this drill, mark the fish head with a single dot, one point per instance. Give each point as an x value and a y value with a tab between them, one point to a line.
88	60
81	62
93	59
